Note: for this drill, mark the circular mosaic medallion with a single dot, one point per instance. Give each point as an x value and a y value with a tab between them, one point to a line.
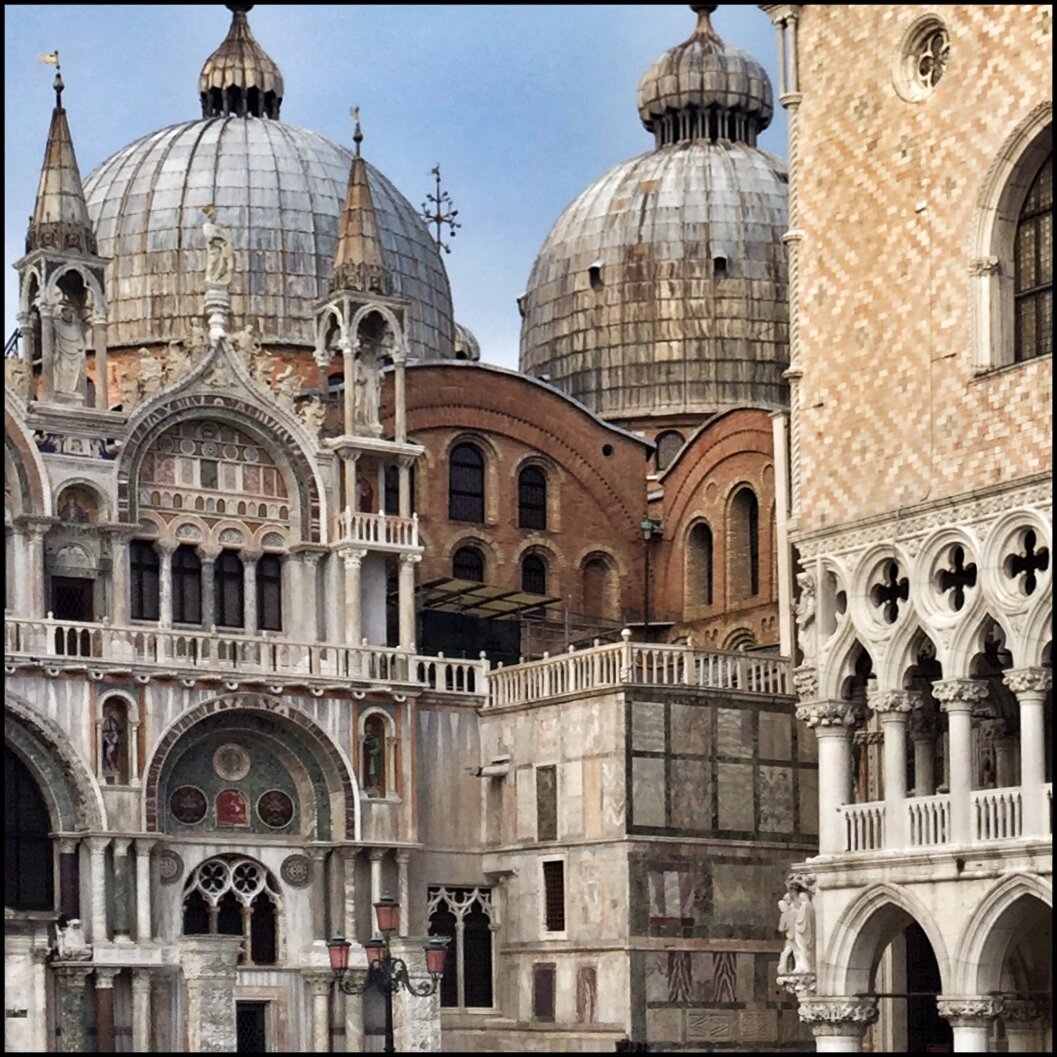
209	449
250	454
296	871
230	451
188	805
275	808
187	447
170	867
231	762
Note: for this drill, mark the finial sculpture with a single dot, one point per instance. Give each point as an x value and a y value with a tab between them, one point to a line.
436	210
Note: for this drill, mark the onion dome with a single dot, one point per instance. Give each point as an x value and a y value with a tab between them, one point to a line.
240	78
661	290
60	215
705	89
467	347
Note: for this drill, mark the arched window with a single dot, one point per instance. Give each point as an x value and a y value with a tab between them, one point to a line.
597	588
699	566
228	590
270	593
28	861
669	445
532	498
464	915
144	569
186	586
1033	254
467	563
534	574
744	545
466	484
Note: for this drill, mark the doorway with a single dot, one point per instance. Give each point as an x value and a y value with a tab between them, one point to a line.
251	1031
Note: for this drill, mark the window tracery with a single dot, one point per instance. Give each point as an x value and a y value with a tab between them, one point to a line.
467	917
1033	260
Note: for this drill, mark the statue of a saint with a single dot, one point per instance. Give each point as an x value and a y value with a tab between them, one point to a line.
312	414
111	743
70	944
68	371
366	380
805	614
804	933
288	385
151	377
176	363
787	926
199	339
372	752
16	377
220	258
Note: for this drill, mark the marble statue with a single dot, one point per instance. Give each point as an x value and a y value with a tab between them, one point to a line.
805	613
803	933
312	413
220	258
111	744
787	926
68	371
366	390
70	944
16	377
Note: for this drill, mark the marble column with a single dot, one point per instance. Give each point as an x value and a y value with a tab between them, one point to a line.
122	882
348	347
350	461
319	987
352	558
119	583
1031	686
893	707
47	352
71	995
144	931
970	1019
208	556
104	1010
349	857
957	697
35	534
376	855
102	386
923	738
399	399
309	595
403	481
69	878
406	600
166	549
832	722
838	1024
403	890
141	1014
249	590
97	886
317	894
208	964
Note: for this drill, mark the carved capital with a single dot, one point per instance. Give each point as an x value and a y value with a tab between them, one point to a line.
1022	1011
105	977
1029	680
838	1016
800	985
352	557
968	1011
959	695
827	714
410	559
899	702
376	854
319	981
805	682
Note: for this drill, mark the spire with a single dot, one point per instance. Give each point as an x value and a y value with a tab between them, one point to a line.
240	78
60	215
359	263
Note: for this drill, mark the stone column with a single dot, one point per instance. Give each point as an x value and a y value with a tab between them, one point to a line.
348	347
122	881
166	549
1023	1019
35	534
97	878
208	556
832	722
102	390
317	893
403	481
403	891
309	612
957	698
353	557
923	738
893	707
69	878
144	931
406	600
141	1018
376	855
838	1024
71	1016
119	581
349	857
208	964
104	1010
47	352
249	590
1031	686
970	1019
319	987
399	399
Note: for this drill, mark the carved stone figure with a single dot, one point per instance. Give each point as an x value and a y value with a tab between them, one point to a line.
312	414
111	744
372	752
151	375
366	380
68	371
287	386
16	377
198	342
220	258
175	362
805	613
787	926
70	944
804	933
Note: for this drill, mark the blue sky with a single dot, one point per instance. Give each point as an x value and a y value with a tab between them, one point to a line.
523	106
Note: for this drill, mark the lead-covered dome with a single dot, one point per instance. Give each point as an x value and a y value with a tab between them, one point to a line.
279	190
661	290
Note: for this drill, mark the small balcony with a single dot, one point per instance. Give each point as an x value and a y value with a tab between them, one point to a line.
380	532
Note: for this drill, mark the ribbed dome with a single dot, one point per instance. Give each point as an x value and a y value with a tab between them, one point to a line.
279	190
662	288
705	89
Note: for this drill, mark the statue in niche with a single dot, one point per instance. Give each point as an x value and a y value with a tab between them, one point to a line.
803	932
111	738
16	377
366	381
373	757
68	370
220	258
70	944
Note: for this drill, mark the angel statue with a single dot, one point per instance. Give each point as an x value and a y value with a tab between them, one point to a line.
220	258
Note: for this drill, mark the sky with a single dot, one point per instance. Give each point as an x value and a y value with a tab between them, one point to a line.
523	107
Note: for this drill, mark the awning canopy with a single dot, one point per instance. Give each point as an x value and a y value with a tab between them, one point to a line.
478	600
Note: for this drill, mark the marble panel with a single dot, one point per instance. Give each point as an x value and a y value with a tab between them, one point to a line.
691	794
808	801
614	795
586	994
547	733
776	736
711	1025
806	743
758	1025
664	1025
776	799
737	802
592	797
656	972
647	727
526	803
647	792
734	732
691	729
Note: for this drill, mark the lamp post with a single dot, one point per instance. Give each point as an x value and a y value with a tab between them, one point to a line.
384	972
649	527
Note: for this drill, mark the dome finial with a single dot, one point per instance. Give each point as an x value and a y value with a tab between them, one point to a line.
357	136
704	14
239	77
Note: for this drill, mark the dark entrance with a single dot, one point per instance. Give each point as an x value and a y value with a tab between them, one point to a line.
71	598
251	1035
927	1031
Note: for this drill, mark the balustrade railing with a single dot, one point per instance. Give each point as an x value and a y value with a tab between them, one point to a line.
997	814
928	820
376	530
864	826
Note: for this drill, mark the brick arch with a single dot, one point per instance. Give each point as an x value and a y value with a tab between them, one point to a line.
333	761
303	480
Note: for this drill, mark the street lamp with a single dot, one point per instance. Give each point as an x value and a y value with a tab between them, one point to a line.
384	972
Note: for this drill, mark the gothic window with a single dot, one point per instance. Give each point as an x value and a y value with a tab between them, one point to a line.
466	484
744	545
229	587
233	896
467	563
554	895
668	446
699	566
532	498
28	880
270	593
1033	256
464	915
186	586
534	574
144	569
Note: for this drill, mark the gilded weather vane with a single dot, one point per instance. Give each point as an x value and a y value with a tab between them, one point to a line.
437	210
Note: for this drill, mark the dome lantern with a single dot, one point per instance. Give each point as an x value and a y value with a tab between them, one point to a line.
240	78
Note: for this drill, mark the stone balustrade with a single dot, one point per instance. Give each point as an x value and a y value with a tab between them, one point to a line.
864	826
928	820
376	531
997	814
